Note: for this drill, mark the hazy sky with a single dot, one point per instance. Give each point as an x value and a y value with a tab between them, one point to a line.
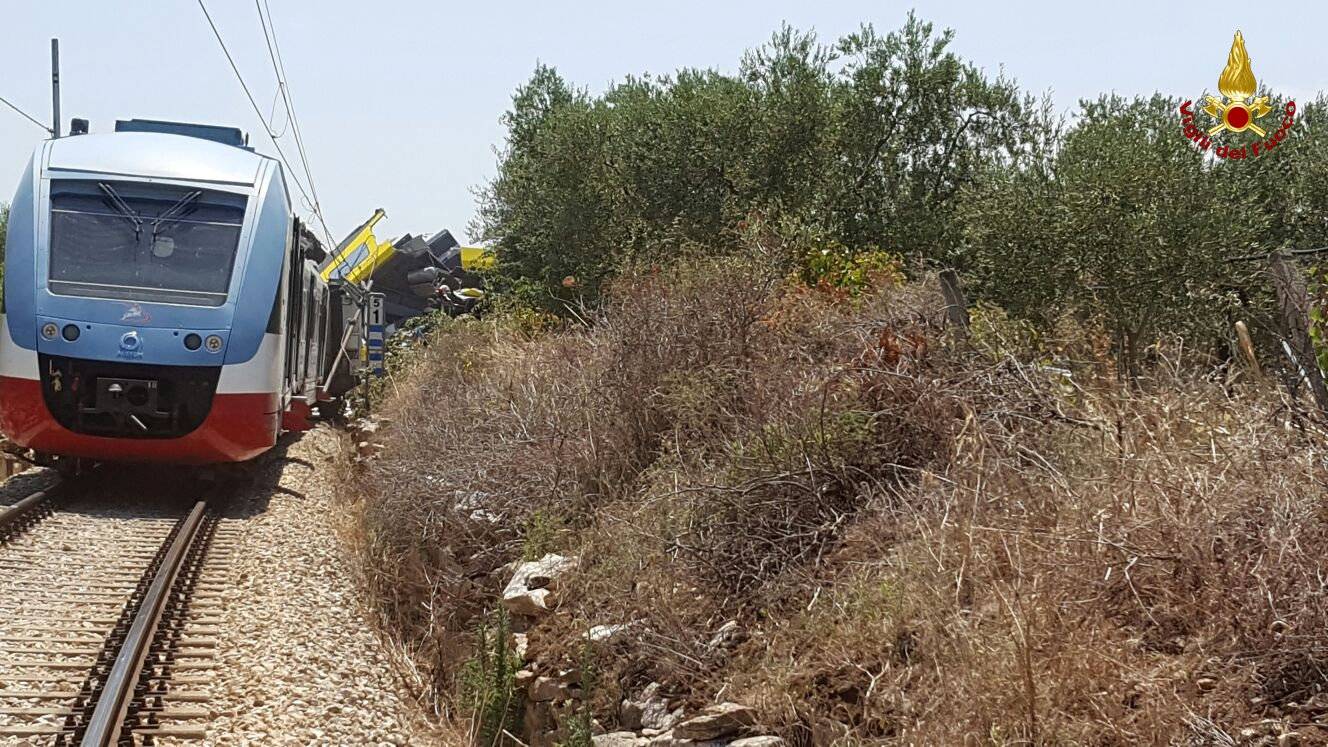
399	100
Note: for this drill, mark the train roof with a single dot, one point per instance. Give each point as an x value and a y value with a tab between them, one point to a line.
156	155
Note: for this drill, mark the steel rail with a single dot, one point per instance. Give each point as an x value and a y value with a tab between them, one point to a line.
17	512
107	721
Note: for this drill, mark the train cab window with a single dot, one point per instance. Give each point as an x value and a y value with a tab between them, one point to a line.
143	242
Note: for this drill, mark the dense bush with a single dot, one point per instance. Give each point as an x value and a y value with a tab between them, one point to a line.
919	542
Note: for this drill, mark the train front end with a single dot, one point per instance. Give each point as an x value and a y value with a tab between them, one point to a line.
141	313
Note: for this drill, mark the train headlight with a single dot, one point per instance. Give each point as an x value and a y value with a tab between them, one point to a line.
193	341
49	330
70	332
213	344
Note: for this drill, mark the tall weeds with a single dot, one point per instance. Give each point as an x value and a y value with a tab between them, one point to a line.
921	541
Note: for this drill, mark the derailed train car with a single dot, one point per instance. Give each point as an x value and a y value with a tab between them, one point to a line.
162	301
413	274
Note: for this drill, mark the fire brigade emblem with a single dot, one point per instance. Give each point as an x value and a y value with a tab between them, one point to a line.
1237	84
1237	110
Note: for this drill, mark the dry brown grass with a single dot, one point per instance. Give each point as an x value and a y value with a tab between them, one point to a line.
921	542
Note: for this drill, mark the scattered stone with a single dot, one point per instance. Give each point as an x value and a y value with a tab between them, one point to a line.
629	715
523	678
538	719
485	516
828	731
570	677
504	571
758	742
716	721
728	636
669	739
366	426
619	739
474	503
649	710
531	590
606	633
545	689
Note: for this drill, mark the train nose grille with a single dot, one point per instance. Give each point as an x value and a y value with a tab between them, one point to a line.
127	400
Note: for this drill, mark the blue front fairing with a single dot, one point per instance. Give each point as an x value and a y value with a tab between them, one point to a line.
159	329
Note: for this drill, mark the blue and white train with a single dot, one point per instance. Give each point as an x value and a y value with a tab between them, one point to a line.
162	302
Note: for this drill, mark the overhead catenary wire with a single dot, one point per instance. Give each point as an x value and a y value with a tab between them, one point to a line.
272	114
258	112
25	115
248	94
283	88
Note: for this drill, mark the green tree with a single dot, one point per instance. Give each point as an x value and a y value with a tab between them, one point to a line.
674	163
914	125
866	142
1289	184
1128	225
546	209
1289	188
791	116
1013	243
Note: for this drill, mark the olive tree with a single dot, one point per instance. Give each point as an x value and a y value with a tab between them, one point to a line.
867	142
914	124
1128	224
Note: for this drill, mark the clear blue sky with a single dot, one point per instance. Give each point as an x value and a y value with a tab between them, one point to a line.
399	100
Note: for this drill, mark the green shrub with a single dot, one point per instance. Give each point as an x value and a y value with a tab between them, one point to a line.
487	684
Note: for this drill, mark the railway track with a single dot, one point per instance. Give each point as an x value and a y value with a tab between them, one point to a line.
27	512
107	620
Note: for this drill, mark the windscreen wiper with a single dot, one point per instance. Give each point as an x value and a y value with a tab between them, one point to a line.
117	202
175	212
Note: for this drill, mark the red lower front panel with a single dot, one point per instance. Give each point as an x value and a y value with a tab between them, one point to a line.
239	427
297	417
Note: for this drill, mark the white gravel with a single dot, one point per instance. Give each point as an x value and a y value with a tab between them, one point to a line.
298	664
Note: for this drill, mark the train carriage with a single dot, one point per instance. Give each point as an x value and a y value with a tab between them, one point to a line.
161	300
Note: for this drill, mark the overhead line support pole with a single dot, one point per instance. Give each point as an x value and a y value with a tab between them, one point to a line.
55	87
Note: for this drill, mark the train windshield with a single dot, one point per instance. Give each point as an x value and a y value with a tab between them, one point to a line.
143	242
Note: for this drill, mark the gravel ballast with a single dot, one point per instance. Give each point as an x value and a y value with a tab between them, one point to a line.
299	663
